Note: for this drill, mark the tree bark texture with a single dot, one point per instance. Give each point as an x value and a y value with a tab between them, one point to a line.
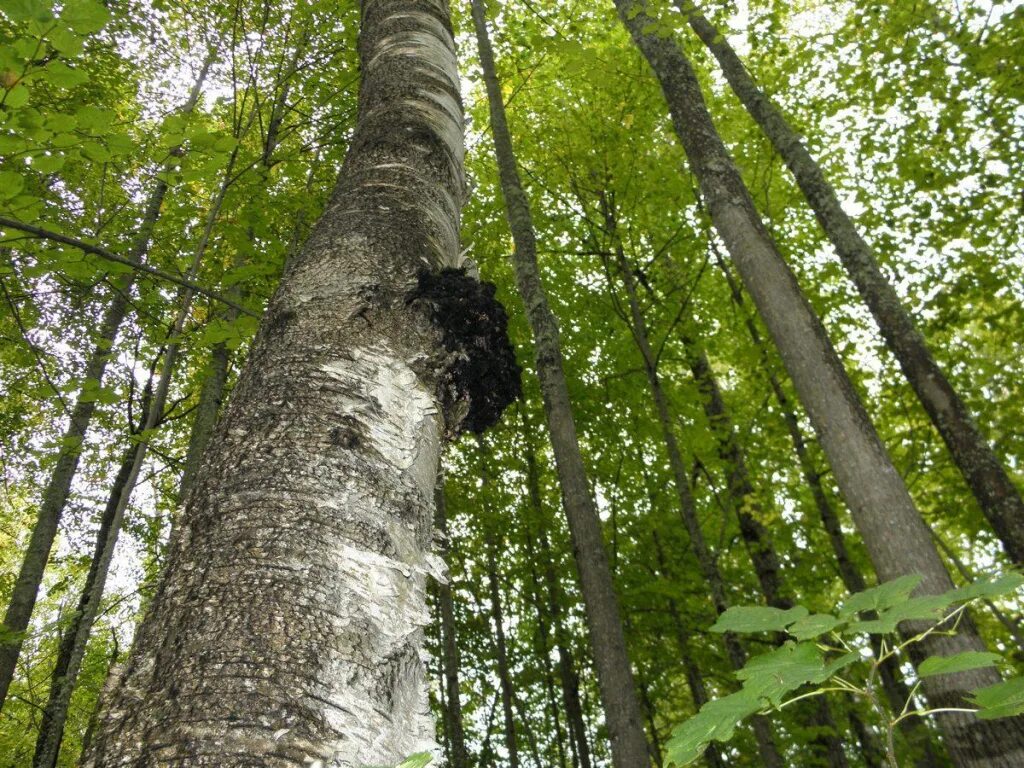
287	628
894	533
615	677
985	474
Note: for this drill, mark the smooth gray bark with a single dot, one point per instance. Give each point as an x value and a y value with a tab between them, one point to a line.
55	494
896	537
611	659
288	625
985	474
896	692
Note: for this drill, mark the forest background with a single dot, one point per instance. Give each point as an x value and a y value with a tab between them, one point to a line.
204	138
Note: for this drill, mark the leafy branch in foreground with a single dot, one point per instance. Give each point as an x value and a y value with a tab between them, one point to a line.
828	652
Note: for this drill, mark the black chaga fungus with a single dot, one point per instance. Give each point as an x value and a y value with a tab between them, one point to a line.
483	373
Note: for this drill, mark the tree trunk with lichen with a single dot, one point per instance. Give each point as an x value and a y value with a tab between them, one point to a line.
985	474
288	625
895	535
614	674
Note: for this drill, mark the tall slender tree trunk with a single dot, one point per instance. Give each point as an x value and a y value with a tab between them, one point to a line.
896	692
70	654
568	676
894	533
58	488
215	375
694	677
985	474
287	627
611	659
450	662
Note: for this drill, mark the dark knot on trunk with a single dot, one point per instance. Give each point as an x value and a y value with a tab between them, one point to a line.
481	377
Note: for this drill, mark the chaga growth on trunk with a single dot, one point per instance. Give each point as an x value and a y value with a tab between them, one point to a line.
483	374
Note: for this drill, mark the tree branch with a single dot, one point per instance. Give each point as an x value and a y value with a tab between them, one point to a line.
103	253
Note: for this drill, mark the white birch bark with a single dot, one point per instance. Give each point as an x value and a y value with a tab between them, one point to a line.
287	629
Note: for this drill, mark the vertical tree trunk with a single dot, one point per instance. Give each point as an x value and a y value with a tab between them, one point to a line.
568	676
215	375
999	498
694	677
77	637
71	651
615	677
287	627
896	692
450	662
55	494
894	533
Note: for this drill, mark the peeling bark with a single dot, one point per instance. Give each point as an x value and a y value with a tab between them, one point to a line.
288	625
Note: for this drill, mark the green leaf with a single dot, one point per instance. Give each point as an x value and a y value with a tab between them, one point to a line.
959	662
27	10
883	596
11	184
774	674
419	760
813	626
756	618
48	163
1004	584
63	76
930	607
95	151
716	721
16	97
1003	699
84	16
65	41
92	392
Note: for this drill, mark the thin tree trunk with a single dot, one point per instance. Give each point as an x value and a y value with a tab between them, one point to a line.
58	488
894	533
287	626
999	498
215	375
543	653
70	653
694	677
615	677
568	676
450	660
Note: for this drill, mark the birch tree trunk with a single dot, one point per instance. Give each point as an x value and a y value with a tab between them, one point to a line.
894	533
988	480
615	676
287	628
58	488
